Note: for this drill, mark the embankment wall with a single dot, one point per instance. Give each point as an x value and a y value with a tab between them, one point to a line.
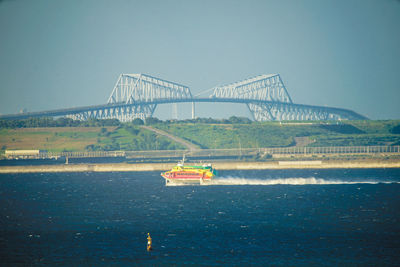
123	167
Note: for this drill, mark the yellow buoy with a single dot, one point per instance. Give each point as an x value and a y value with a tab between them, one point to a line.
149	247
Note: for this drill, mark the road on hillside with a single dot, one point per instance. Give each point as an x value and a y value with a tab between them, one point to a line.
303	141
181	141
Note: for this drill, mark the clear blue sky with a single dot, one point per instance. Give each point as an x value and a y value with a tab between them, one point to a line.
56	54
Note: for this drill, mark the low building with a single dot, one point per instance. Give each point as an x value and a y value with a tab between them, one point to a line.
24	154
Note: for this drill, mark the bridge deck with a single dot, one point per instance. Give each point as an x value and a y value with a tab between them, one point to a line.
75	110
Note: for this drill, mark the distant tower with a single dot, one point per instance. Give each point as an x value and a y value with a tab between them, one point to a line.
193	111
174	111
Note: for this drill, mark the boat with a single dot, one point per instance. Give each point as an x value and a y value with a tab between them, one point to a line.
182	174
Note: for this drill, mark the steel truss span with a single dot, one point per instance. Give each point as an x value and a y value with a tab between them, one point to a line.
137	96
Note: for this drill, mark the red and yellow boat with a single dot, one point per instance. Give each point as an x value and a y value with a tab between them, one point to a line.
181	174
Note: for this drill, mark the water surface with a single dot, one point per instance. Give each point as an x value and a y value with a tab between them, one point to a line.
272	217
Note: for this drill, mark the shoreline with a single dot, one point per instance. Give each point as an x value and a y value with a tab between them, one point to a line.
142	167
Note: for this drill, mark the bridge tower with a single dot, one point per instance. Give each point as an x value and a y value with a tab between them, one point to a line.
135	89
265	90
136	96
268	100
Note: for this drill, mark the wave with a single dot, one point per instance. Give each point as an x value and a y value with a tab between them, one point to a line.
290	181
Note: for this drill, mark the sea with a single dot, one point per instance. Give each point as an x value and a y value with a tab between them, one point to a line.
312	217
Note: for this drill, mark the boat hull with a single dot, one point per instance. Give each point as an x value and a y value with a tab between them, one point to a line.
185	180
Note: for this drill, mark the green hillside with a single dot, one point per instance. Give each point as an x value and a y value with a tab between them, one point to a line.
109	135
84	138
276	134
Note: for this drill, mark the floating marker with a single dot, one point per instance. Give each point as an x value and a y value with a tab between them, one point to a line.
149	247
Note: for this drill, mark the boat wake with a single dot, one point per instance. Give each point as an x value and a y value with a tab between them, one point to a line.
290	181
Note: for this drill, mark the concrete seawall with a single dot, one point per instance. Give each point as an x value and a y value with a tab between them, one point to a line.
123	167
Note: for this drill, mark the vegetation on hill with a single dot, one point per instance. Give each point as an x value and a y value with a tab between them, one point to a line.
60	122
129	137
276	134
235	132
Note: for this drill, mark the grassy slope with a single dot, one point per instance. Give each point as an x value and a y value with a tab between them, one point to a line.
371	133
51	139
79	138
135	138
233	136
257	134
273	134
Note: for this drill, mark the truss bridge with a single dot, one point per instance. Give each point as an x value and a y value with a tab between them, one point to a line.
137	96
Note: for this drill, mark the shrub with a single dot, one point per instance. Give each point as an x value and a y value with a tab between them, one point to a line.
395	129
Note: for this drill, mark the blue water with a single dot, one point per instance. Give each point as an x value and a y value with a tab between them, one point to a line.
257	218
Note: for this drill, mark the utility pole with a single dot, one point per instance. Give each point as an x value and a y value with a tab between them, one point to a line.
240	147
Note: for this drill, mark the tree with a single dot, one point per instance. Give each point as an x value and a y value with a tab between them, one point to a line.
152	120
243	120
138	121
